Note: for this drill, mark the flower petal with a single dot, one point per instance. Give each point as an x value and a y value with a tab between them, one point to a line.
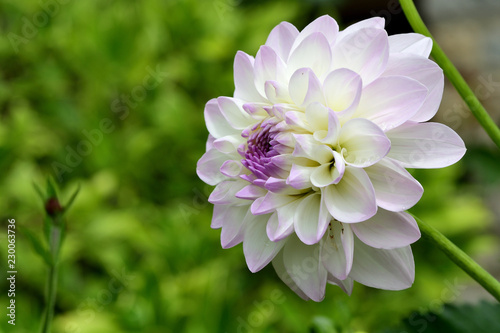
425	71
395	188
342	88
281	39
305	88
217	124
329	173
268	67
364	142
232	109
325	25
410	43
310	220
270	202
258	249
387	230
303	264
337	250
234	219
224	193
373	22
306	146
313	52
364	51
346	285
425	145
384	269
279	267
353	198
279	226
391	100
208	166
244	79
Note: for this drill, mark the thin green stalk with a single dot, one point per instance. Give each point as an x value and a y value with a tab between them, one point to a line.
51	286
460	258
452	73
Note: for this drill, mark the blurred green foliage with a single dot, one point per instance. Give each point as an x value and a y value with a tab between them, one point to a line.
139	254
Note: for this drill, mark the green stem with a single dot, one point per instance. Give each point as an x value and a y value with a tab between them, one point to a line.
452	73
460	258
51	286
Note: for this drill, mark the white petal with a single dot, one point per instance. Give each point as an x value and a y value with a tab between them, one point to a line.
391	100
325	25
331	136
342	88
395	188
425	145
410	43
232	109
281	39
317	117
217	124
228	144
300	176
270	202
365	52
251	192
224	193
330	173
337	249
257	248
309	224
306	146
313	52
346	285
276	92
279	267
365	142
353	198
244	79
387	230
208	166
305	88
268	67
278	229
373	22
303	264
425	71
234	219
384	269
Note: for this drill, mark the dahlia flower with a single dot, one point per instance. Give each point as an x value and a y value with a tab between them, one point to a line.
309	156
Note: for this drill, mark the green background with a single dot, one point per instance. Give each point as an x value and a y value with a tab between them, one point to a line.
142	215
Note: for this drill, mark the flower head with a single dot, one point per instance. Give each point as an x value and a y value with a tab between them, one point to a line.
309	156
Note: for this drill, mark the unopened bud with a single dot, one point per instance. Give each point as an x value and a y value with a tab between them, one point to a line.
53	207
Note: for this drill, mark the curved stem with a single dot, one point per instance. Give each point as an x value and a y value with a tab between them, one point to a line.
460	258
452	73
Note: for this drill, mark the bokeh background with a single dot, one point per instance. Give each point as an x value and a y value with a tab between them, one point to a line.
109	95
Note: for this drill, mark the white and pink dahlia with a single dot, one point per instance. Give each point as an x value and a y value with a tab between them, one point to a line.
309	156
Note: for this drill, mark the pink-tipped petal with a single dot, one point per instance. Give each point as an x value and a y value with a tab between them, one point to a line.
425	145
425	71
384	269
244	79
313	52
282	38
364	142
279	267
343	89
309	225
305	88
410	43
365	52
208	167
268	66
258	249
337	250
395	188
391	100
302	263
387	230
234	218
353	198
217	124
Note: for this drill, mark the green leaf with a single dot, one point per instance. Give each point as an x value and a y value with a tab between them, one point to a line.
71	200
51	188
479	318
37	246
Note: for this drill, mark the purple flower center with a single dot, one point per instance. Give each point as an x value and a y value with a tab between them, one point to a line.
258	153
